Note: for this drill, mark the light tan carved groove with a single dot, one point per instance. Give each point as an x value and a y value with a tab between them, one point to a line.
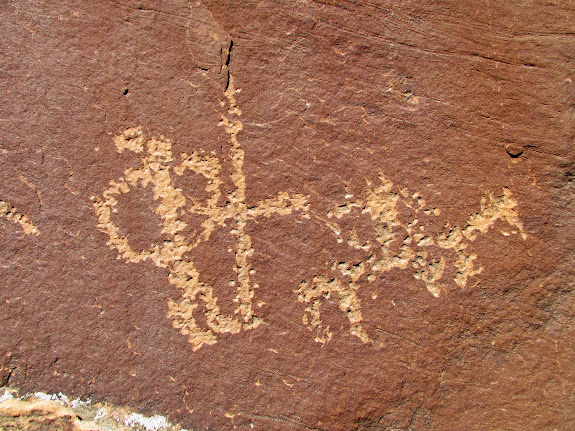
157	170
400	245
10	212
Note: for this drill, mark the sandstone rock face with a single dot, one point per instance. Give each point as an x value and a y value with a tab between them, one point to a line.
287	215
57	412
18	415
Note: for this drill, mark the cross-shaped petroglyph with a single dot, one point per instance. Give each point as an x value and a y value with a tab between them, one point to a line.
9	212
397	244
157	169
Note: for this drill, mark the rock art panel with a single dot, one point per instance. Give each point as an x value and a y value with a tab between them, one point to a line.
382	202
287	215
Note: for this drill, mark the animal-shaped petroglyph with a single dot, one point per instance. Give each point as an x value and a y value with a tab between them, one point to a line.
397	244
157	170
9	212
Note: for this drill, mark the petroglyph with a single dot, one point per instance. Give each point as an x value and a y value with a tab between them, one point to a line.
10	212
397	244
349	303
157	170
394	243
403	234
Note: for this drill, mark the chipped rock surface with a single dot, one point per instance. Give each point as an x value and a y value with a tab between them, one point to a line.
288	215
45	412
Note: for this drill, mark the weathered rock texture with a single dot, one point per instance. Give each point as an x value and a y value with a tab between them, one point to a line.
36	416
285	215
56	412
